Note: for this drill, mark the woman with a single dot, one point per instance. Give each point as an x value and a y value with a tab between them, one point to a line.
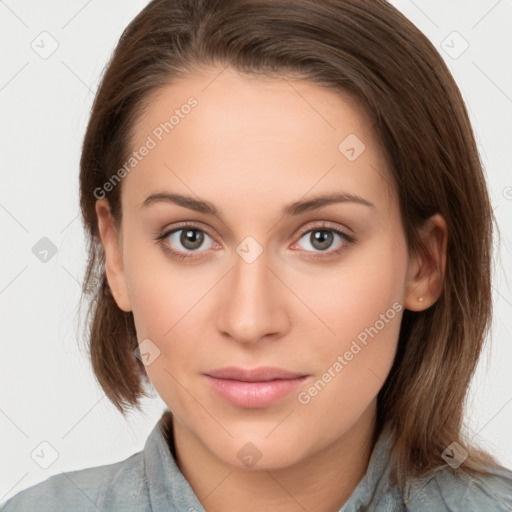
291	240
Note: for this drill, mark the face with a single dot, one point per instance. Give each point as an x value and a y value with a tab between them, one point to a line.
317	290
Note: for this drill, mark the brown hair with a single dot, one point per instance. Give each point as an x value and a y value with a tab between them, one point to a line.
365	48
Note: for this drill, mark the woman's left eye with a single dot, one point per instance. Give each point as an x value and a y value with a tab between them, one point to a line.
321	239
191	238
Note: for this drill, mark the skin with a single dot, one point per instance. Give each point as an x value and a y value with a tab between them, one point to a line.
250	147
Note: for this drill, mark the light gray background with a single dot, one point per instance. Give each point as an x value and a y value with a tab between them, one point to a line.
48	391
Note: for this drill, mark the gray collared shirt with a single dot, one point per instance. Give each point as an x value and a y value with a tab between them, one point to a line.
150	480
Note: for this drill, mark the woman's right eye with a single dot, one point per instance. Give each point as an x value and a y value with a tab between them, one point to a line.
184	241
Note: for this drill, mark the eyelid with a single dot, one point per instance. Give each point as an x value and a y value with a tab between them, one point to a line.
325	224
164	233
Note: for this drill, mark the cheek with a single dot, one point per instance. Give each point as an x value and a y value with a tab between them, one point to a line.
162	292
360	309
168	302
353	295
164	313
169	310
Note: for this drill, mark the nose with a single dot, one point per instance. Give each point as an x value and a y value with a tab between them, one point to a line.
253	302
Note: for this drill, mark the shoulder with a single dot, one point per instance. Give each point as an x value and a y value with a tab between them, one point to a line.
453	490
118	486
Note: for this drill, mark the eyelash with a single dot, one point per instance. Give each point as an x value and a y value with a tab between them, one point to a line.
348	239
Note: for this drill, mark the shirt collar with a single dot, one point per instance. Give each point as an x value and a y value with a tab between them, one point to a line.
168	487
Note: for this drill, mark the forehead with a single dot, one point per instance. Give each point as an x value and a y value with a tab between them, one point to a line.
253	136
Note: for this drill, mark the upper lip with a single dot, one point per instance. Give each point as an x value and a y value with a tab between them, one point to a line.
263	373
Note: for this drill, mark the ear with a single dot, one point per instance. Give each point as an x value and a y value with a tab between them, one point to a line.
111	241
425	275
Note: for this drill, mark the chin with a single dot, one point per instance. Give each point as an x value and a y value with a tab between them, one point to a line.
259	453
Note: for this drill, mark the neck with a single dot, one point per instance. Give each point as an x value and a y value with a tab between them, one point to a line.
322	482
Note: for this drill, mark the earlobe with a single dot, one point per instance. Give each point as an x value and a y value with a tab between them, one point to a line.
114	268
425	277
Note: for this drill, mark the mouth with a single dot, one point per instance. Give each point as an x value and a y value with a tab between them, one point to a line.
254	388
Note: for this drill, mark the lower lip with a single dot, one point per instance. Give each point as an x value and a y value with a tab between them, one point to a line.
254	394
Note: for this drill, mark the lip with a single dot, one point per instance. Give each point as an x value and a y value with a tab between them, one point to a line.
253	388
261	374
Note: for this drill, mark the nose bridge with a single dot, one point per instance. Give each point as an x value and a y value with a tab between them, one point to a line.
252	306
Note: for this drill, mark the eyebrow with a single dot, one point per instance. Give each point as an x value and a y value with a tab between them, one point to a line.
295	208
